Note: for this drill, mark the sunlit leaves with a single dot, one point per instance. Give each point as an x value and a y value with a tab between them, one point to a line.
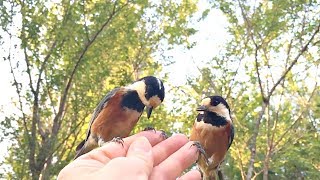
267	36
95	45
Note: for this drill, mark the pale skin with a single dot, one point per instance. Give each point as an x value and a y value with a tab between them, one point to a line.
143	156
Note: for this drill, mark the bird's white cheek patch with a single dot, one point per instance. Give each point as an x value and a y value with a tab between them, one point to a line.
138	86
206	102
221	110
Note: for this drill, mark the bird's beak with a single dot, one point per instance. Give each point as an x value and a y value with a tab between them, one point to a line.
202	108
149	111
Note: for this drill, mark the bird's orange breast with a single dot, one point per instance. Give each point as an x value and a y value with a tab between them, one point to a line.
215	140
114	120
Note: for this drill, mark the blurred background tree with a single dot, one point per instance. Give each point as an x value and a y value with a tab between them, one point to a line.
64	56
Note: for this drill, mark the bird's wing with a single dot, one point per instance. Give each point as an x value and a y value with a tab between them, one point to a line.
96	112
231	136
100	106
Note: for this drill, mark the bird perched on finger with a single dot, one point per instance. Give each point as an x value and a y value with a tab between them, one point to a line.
214	130
119	111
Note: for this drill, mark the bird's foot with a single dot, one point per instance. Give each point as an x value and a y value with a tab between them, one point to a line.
149	128
118	140
200	150
163	133
101	142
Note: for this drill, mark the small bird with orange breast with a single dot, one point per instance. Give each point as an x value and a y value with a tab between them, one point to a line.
213	129
119	111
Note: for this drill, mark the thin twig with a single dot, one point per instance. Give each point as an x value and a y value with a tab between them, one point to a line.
304	49
296	120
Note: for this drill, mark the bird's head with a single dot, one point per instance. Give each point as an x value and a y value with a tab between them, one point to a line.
151	92
215	104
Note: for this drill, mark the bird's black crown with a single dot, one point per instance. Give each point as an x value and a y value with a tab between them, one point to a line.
215	100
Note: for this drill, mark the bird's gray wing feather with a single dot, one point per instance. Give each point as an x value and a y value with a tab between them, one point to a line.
231	136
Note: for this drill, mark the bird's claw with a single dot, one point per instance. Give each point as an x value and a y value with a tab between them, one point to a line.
163	134
149	128
200	150
118	140
101	142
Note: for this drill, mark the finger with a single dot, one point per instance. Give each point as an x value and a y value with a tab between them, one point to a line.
112	150
191	175
152	136
141	150
175	164
137	164
167	147
106	152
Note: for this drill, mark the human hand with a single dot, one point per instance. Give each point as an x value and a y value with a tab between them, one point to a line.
142	156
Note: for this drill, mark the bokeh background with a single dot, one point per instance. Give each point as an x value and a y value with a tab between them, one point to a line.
59	58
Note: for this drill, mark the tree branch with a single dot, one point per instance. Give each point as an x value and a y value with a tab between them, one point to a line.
16	84
253	141
276	119
35	107
296	120
238	67
42	133
67	137
256	174
45	149
259	77
26	58
243	175
81	55
85	21
265	101
43	65
304	49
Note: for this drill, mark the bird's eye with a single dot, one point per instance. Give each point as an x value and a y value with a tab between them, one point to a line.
215	102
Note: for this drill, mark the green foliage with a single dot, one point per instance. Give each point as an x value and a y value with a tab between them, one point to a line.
65	56
267	37
72	54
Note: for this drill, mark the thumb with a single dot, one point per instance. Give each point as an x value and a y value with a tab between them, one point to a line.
140	151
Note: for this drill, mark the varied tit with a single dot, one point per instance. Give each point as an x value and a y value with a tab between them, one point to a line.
119	111
214	130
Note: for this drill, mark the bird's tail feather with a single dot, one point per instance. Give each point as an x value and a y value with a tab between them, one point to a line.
81	144
80	149
210	175
220	175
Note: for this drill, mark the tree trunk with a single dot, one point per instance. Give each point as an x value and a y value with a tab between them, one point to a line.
254	141
266	165
45	173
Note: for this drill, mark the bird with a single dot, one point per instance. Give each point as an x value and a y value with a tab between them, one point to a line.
214	130
119	111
